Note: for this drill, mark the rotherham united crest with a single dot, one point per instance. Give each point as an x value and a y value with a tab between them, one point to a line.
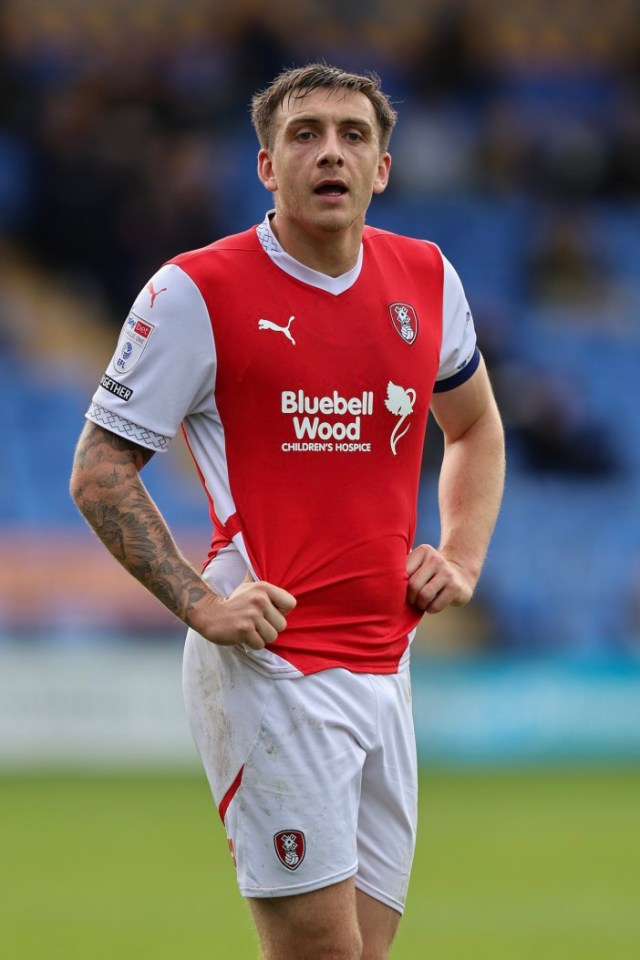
290	847
405	321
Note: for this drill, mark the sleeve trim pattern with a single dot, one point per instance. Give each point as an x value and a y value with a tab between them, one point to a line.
125	428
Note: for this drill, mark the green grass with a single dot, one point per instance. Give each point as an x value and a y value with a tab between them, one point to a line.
510	865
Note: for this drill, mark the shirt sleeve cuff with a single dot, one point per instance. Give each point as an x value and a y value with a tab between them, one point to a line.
114	423
461	376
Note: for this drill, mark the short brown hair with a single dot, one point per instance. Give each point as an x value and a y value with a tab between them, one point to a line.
297	82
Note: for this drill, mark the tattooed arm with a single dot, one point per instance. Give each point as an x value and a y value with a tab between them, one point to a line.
108	491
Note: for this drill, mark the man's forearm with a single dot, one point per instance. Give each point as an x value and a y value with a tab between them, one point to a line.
470	491
110	495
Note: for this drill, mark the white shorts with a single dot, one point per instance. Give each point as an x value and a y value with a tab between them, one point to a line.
315	777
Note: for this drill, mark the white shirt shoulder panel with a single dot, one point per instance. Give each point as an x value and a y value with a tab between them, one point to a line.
164	365
458	332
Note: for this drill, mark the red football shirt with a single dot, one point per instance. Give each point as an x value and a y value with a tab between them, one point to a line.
305	411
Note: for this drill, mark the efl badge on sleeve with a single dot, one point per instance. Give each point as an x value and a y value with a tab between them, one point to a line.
405	321
291	847
131	345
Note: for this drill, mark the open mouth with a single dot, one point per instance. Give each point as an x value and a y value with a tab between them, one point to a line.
331	190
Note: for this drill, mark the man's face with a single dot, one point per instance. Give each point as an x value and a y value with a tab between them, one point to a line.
325	162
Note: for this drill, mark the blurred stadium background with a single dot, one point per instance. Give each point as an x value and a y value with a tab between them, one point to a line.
125	138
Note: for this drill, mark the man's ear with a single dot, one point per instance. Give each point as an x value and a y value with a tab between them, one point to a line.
382	175
265	171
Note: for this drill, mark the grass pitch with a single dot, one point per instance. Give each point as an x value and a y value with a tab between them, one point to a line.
513	864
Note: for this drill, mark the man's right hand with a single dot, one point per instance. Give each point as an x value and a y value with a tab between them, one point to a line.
253	615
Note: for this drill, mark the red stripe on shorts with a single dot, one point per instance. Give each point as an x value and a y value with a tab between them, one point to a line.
230	794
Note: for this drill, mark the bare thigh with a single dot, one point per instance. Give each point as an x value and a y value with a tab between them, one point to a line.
336	922
378	926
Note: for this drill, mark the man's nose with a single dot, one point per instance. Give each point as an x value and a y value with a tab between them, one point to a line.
331	153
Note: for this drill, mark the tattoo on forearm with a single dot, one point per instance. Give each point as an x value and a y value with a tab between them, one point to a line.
96	443
117	506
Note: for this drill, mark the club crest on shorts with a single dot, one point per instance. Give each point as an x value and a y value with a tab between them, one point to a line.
291	847
405	321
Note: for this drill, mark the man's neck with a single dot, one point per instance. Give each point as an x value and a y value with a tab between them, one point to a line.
333	254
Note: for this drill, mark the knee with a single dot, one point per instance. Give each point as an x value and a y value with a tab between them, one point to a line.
351	950
332	948
339	952
309	947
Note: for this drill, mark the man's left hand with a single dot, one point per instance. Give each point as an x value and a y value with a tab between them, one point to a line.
436	582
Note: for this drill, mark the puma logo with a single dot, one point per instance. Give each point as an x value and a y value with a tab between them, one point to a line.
153	293
270	325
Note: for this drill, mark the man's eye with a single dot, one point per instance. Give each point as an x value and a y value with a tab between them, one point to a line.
354	135
304	135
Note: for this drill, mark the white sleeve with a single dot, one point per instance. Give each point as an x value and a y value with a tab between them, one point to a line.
459	356
164	365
